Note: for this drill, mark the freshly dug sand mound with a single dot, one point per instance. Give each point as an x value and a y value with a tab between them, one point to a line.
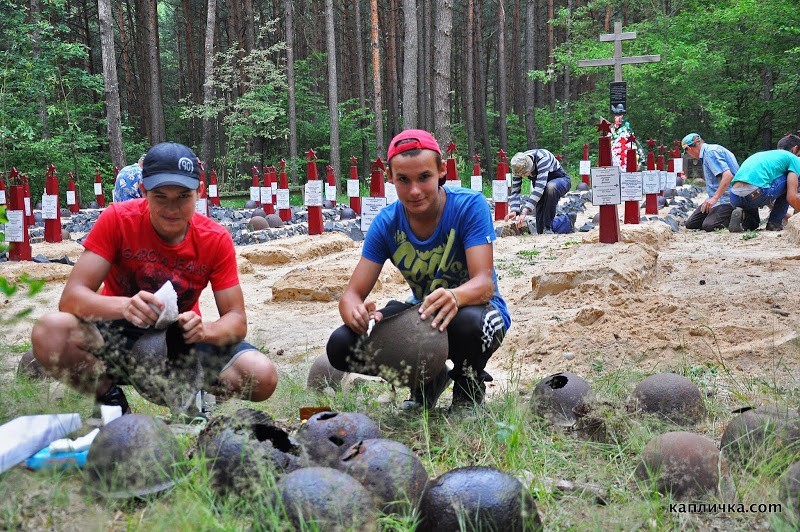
297	248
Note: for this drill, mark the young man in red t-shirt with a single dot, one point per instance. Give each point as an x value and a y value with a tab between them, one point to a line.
133	249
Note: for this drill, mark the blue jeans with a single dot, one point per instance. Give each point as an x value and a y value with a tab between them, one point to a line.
775	192
554	191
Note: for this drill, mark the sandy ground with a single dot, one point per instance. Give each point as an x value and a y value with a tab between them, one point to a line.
656	301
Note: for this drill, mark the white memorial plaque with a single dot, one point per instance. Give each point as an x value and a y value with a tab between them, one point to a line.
508	179
678	165
651	181
585	167
672	180
2	197
212	191
662	180
606	185
631	186
49	207
330	192
390	193
15	226
282	198
71	200
453	183
352	188
98	189
274	187
499	191
266	195
201	206
27	202
370	207
314	193
476	183
255	193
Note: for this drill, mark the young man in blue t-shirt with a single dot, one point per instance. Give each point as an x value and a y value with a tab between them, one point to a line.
441	241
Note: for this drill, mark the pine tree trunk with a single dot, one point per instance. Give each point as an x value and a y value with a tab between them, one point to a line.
469	75
110	83
333	98
410	59
393	117
530	64
481	95
207	152
292	111
501	75
362	91
443	43
158	131
376	76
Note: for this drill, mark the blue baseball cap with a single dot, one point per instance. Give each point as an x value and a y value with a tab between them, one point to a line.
689	140
170	163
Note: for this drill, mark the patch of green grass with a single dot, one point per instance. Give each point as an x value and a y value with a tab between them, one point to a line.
748	235
507	436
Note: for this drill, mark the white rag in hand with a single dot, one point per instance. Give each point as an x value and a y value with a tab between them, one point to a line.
167	295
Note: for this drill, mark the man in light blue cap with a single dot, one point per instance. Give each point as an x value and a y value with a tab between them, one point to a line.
719	167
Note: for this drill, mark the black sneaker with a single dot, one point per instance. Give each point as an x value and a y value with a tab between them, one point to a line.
774	227
425	396
737	217
468	393
115	397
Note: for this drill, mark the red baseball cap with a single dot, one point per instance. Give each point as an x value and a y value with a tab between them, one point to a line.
412	139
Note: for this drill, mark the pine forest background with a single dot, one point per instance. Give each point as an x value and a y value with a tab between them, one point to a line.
88	84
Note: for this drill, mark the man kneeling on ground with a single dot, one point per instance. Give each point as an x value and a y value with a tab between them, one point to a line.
133	249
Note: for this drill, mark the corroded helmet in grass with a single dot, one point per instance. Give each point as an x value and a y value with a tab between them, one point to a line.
754	434
670	396
405	350
133	456
482	498
555	397
389	470
322	374
245	450
326	435
327	499
682	463
790	492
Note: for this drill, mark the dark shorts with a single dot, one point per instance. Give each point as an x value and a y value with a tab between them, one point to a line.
122	364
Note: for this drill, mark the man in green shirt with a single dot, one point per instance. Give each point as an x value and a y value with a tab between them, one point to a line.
766	177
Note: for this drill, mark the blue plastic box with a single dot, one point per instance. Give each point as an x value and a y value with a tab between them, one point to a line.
45	460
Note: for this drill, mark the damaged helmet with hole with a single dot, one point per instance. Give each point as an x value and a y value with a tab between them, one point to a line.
670	396
133	456
389	470
326	435
485	498
754	434
554	397
246	450
326	499
404	349
682	463
322	374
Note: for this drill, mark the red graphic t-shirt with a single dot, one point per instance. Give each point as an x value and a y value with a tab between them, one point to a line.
140	260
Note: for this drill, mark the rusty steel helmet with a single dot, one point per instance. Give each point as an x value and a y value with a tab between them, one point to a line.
30	367
326	498
274	221
322	374
790	492
348	214
326	435
682	463
555	397
164	370
389	470
754	433
258	223
258	212
133	456
405	350
484	497
670	396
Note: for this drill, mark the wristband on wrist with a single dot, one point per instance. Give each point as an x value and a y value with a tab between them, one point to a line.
455	299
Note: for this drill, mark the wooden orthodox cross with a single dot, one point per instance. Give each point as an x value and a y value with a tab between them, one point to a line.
618	60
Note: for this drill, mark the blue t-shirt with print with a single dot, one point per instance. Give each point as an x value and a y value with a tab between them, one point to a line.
441	260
